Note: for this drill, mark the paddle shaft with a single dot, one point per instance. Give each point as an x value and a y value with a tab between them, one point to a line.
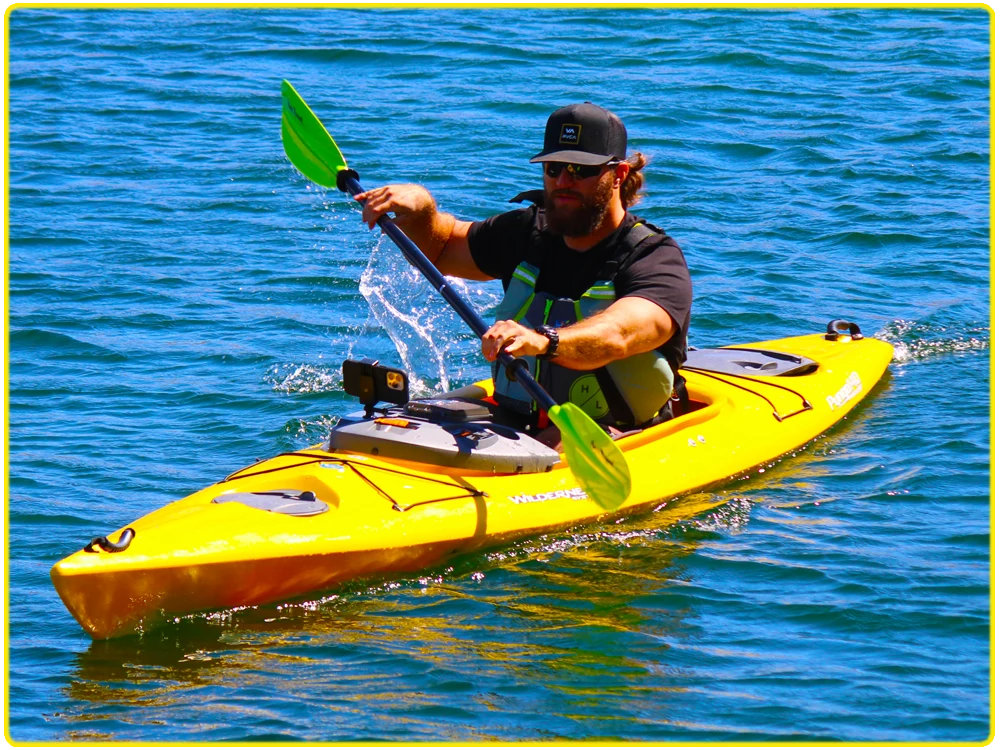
471	318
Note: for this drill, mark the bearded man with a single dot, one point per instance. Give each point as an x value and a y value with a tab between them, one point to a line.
597	301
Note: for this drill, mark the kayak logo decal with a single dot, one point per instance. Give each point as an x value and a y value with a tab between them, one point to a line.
574	494
851	388
570	133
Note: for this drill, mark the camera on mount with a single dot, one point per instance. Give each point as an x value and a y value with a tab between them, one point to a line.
371	383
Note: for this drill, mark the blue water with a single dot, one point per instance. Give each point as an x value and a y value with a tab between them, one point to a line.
180	300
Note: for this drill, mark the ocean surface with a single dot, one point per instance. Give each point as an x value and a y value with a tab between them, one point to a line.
180	300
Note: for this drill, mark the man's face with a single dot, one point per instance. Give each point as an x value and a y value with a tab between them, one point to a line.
575	206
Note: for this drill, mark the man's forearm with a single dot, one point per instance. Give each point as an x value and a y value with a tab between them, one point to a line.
415	213
591	343
429	231
630	326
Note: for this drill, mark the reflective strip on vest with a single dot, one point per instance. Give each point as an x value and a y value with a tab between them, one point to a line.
526	273
601	291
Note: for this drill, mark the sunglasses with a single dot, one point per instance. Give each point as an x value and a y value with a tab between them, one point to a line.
577	171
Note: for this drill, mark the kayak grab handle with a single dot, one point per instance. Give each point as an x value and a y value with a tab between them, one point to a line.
108	546
837	328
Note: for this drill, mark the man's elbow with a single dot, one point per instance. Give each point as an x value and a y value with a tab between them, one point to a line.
620	345
627	346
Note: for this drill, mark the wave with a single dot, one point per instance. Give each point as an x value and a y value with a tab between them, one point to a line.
54	345
916	341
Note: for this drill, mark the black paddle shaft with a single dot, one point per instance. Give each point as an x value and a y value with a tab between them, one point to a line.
348	182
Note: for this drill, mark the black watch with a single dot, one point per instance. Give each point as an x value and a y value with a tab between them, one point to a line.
553	336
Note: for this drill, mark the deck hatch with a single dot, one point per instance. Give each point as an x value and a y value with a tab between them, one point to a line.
287	502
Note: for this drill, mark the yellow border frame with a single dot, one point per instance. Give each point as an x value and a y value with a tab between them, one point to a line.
472	5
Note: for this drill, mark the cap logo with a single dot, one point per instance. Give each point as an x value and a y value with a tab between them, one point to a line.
570	133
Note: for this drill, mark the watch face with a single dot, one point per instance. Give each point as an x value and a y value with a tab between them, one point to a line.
553	338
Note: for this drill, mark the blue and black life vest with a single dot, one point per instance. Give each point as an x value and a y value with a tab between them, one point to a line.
626	393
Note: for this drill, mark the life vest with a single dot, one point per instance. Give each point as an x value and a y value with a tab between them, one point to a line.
625	393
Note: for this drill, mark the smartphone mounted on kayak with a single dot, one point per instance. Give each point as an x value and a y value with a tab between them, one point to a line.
372	383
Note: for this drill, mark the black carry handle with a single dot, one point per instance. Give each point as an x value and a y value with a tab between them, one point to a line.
837	328
108	546
347	181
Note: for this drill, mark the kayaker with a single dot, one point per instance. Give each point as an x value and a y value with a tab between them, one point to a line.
595	298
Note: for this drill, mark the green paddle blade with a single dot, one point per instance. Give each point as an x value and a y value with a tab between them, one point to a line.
307	143
593	457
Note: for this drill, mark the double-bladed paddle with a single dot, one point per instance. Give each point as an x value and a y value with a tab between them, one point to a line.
591	454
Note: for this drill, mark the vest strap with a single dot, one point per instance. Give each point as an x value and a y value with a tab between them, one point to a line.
601	290
532	196
616	402
634	240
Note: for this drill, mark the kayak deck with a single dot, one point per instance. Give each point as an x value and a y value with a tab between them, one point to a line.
385	516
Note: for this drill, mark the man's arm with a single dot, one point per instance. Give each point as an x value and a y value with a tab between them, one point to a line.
441	237
632	325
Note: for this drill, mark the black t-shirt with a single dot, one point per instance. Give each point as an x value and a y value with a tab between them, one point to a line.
658	272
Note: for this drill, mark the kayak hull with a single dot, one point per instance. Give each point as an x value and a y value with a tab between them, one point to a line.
388	517
114	604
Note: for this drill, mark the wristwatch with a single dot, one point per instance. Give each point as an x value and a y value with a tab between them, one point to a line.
553	336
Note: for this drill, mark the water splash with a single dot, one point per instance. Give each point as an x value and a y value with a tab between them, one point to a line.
420	324
290	378
297	431
912	340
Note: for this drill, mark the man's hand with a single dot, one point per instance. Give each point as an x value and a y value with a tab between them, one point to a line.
433	231
513	338
407	202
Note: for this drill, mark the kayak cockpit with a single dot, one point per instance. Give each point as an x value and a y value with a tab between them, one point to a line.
458	429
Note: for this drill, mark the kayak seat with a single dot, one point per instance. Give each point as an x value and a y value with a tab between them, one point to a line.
749	362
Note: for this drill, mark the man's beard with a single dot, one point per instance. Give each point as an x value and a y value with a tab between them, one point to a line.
583	219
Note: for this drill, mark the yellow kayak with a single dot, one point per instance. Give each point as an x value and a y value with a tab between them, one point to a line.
386	495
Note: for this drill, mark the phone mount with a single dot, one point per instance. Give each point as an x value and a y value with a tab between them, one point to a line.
372	383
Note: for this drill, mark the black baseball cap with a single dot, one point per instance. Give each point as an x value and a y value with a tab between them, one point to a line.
583	134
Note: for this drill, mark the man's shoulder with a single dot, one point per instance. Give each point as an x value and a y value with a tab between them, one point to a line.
655	268
498	244
646	242
644	231
503	227
521	216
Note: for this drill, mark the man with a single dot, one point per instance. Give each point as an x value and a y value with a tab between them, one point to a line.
597	302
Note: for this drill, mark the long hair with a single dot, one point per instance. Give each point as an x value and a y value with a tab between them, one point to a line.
630	188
